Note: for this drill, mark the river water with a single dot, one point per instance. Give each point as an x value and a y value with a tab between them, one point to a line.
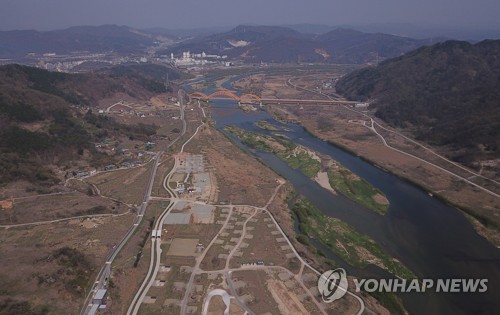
430	237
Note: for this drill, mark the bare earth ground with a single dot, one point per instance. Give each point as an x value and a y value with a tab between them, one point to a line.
251	184
261	299
166	164
180	260
126	185
30	272
264	245
126	277
52	207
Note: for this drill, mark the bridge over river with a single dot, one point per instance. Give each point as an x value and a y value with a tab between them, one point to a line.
254	99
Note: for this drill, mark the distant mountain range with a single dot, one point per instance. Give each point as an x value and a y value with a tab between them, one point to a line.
249	43
253	44
447	94
407	30
121	39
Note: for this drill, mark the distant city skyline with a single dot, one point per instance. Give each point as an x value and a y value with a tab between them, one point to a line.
186	14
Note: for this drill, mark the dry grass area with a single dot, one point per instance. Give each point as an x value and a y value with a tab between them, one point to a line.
261	243
216	306
283	215
235	309
258	297
54	264
53	207
240	178
226	240
126	276
288	302
179	261
273	290
204	232
167	162
127	185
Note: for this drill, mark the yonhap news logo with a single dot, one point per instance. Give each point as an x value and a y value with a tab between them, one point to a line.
333	285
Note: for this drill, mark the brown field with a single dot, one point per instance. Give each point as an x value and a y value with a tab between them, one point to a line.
264	245
183	247
216	306
31	273
53	207
127	278
205	232
127	185
226	237
167	162
252	184
262	300
171	290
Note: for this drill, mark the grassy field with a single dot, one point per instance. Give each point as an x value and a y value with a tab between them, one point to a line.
353	247
296	157
303	162
126	185
357	189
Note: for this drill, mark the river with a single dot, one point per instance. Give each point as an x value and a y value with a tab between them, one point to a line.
432	238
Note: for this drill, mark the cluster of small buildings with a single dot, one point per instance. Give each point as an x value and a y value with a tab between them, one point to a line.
253	263
77	61
189	59
109	167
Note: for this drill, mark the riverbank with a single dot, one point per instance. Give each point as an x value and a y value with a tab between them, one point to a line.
413	230
353	247
328	173
358	140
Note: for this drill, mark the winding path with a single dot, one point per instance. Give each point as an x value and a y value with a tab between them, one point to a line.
372	128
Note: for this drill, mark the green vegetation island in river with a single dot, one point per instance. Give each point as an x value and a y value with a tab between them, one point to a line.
353	247
328	173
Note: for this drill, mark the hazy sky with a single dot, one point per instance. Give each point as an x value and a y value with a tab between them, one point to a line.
53	14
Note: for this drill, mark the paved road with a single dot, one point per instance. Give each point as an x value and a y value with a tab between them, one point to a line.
228	271
65	219
375	123
154	265
156	253
105	270
199	259
225	297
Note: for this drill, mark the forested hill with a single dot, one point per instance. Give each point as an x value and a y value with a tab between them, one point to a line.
42	120
447	94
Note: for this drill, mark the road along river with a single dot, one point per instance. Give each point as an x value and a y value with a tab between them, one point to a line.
432	238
